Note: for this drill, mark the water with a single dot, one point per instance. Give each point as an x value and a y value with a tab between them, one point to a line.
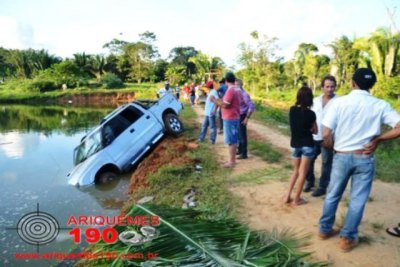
36	145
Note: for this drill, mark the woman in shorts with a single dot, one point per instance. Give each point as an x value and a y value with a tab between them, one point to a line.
302	125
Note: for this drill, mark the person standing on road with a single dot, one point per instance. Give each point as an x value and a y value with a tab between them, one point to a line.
302	125
246	109
210	111
320	105
352	126
230	106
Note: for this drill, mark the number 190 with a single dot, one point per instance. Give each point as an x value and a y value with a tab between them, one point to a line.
93	235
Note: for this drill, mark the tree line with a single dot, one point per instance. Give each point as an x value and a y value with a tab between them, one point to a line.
262	69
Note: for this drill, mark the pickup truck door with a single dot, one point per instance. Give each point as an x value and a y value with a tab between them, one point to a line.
139	128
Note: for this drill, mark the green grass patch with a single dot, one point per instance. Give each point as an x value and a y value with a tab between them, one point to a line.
265	151
271	116
388	161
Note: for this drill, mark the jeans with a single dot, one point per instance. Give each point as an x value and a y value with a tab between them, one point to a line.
208	121
221	122
242	137
326	167
361	169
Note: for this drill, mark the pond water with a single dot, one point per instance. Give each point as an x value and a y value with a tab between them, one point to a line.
36	145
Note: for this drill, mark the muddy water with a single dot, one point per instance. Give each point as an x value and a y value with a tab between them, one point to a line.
36	145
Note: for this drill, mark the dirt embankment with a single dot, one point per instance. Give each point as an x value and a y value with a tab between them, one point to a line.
171	151
96	99
262	208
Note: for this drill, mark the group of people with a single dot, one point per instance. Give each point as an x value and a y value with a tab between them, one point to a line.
346	131
235	107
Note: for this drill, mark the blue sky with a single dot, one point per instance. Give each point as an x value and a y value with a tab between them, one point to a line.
215	27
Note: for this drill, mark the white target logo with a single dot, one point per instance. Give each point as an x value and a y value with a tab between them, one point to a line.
38	228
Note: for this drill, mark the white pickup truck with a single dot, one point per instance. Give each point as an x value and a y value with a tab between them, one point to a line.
122	138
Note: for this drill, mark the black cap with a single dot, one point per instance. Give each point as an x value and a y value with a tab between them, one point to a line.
365	78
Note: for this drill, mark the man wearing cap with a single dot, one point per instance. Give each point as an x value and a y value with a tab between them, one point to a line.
163	91
352	126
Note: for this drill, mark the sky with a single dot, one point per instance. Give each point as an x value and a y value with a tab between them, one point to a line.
215	27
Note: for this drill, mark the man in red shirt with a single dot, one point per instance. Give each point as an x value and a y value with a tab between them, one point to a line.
230	108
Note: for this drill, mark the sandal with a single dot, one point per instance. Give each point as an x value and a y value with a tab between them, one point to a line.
394	231
299	202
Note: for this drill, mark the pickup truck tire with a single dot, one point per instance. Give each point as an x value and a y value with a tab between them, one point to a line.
173	125
106	177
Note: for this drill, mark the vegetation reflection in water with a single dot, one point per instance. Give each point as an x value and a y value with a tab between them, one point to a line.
47	119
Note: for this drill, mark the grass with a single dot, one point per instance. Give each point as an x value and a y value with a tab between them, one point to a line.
271	116
21	95
265	151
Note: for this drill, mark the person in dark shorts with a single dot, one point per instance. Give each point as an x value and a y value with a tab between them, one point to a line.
302	125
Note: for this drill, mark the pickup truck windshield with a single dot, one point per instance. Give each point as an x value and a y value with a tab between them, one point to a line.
90	146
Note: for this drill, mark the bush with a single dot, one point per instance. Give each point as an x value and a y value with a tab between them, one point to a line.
44	85
111	81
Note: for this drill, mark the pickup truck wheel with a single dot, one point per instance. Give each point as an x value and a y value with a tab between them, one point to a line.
172	124
106	177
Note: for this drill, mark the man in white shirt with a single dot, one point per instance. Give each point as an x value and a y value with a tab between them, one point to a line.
320	105
352	126
210	111
163	91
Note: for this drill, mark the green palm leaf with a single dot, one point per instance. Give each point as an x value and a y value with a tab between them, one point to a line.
187	239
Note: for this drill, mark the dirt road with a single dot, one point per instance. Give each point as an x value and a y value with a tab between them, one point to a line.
263	209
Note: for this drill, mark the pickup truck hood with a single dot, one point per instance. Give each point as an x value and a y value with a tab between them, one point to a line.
85	172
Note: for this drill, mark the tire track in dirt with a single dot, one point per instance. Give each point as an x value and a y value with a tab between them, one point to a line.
263	209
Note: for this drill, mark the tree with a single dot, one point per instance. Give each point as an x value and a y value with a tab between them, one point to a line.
300	55
345	60
260	61
315	68
181	55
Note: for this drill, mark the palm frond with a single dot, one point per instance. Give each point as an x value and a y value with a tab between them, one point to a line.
188	239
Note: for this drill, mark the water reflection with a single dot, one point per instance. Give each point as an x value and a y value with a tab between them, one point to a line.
36	145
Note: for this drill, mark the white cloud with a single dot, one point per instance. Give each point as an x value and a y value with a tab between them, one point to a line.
15	34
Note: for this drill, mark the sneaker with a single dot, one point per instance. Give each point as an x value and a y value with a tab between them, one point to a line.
242	157
347	244
330	234
319	192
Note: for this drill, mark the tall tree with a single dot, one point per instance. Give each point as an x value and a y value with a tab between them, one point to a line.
345	59
181	55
